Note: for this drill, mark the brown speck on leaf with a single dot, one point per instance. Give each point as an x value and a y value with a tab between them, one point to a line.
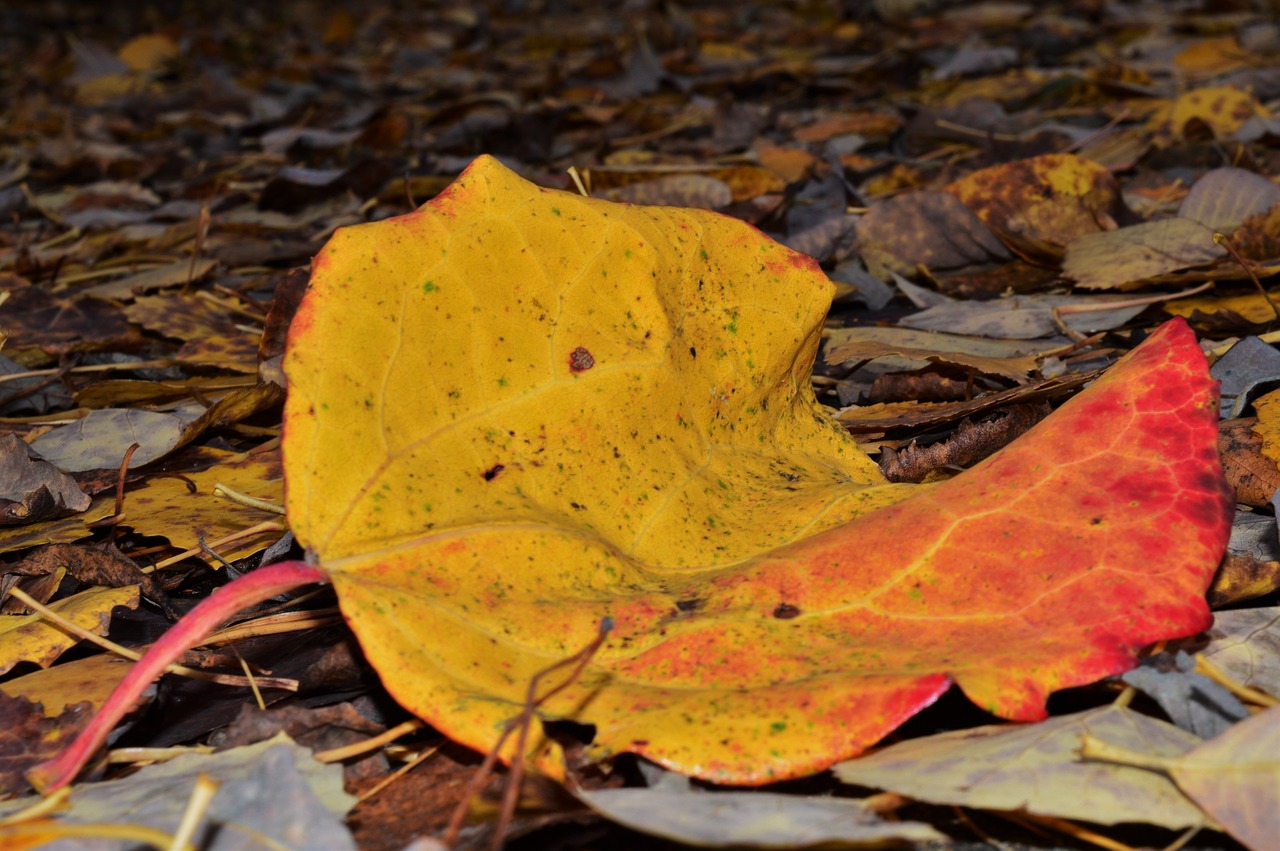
580	360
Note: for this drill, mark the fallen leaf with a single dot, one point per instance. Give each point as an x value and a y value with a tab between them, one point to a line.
1192	701
1235	777
677	190
178	272
1248	366
1267	426
1252	476
1251	567
444	414
100	439
1225	197
61	531
147	54
1220	109
30	638
95	565
34	394
1026	317
32	489
1130	256
33	318
208	329
185	509
751	819
930	229
933	341
1253	308
1048	200
1037	768
29	736
1245	644
272	793
1014	368
88	680
971	443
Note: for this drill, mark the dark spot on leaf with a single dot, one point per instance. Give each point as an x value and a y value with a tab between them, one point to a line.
786	611
577	506
492	473
1097	521
693	352
688	605
580	360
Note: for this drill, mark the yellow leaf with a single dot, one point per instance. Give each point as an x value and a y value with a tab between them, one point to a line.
511	395
149	53
1252	307
1220	109
1268	425
185	509
30	638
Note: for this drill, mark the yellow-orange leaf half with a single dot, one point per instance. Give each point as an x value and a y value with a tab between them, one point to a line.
518	411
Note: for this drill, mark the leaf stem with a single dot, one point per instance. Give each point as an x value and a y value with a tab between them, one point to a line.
1094	748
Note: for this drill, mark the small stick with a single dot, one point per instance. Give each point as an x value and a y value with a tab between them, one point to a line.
370	744
265	526
219	489
579	660
197	805
124	470
400	772
1225	242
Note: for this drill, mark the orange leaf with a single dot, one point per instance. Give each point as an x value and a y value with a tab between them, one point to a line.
1046	201
517	411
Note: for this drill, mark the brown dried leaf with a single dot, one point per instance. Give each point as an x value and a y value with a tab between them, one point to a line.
1126	258
1253	475
930	229
970	444
32	489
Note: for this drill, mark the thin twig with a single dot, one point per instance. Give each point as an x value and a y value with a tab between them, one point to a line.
522	721
124	470
370	744
219	489
197	805
265	526
1225	242
400	772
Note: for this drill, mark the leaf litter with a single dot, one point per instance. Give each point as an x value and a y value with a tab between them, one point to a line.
160	184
